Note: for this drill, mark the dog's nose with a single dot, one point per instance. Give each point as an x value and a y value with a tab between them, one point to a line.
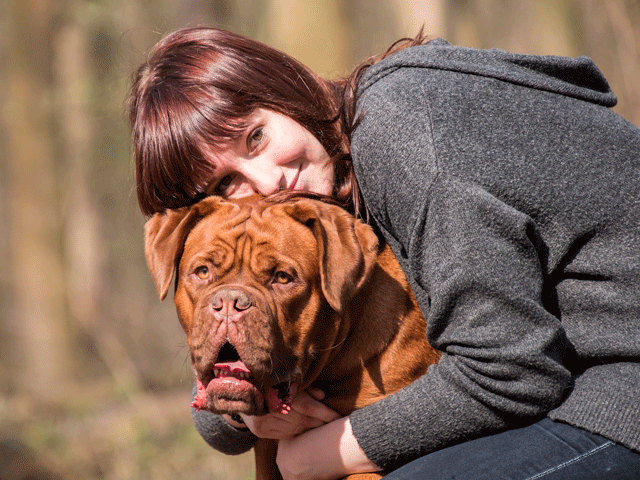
232	299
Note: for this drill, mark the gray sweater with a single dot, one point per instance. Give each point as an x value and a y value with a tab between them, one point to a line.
511	196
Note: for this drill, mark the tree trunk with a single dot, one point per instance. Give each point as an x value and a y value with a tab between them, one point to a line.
40	340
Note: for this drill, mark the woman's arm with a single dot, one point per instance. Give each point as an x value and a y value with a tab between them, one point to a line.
475	263
226	436
502	360
326	452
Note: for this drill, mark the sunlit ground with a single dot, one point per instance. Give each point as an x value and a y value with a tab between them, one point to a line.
101	434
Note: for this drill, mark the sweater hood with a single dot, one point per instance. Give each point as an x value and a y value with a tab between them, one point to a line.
574	77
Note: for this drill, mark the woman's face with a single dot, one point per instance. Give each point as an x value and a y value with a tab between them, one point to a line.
274	153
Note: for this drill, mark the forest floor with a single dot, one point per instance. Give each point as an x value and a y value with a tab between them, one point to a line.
95	433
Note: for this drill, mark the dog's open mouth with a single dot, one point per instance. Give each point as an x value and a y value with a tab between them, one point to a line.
231	387
228	364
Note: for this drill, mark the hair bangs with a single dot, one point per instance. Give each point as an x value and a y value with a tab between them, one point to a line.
197	91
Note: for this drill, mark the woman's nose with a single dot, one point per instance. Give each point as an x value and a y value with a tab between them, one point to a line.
265	179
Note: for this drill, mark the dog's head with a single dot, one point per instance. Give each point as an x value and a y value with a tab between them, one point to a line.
259	291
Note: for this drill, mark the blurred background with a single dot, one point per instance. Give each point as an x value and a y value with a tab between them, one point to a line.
95	381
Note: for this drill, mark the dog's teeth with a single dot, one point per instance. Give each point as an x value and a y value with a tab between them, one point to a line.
240	375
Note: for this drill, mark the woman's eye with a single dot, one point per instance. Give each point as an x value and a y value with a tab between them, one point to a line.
255	138
282	278
202	272
223	184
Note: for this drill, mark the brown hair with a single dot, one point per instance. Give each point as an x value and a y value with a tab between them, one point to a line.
197	88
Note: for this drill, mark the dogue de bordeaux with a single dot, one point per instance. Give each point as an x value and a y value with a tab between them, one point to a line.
277	297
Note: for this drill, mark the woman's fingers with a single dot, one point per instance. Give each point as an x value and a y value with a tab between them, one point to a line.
272	425
306	413
307	405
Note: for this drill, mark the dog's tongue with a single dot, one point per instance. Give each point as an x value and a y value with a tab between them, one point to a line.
229	368
280	396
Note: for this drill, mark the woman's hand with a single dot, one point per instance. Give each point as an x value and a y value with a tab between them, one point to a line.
306	413
328	452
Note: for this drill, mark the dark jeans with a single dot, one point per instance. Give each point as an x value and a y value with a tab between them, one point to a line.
546	450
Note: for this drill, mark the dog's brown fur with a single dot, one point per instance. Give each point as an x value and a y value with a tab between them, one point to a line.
321	304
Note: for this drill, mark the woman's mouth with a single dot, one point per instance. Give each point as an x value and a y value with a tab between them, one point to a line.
292	185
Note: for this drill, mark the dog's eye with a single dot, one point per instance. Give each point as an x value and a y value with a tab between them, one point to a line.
282	277
202	272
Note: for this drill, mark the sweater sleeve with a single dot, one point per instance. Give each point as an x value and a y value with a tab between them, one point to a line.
475	265
502	351
219	434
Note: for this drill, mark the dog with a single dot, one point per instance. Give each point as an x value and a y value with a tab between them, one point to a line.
276	297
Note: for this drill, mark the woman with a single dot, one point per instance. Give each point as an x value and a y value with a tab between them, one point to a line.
508	191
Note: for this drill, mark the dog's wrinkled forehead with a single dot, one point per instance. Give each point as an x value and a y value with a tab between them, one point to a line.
229	223
248	228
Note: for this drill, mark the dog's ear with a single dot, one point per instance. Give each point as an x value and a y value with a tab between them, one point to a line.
348	248
164	237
